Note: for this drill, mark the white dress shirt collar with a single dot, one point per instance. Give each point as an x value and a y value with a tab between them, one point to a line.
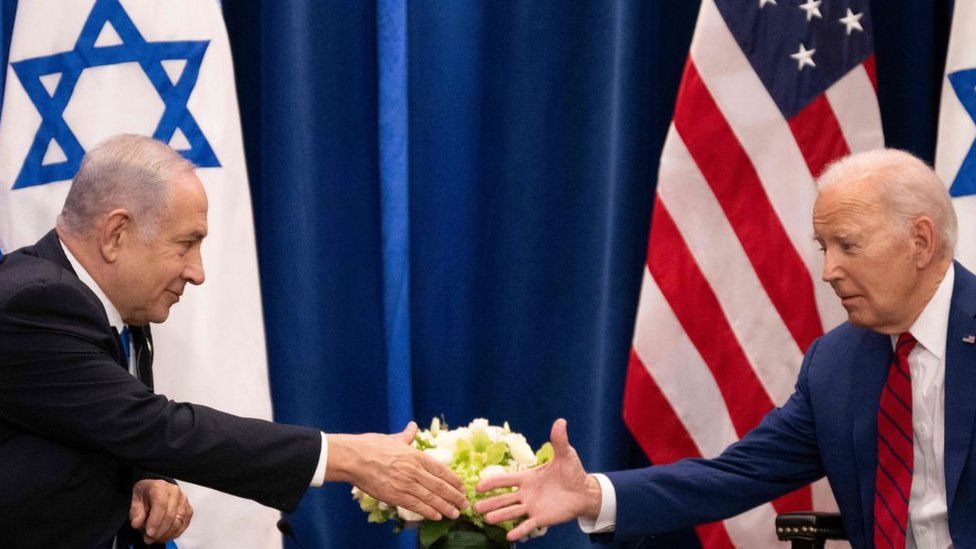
931	326
114	316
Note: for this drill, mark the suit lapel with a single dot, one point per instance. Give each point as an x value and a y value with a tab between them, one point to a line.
960	379
869	370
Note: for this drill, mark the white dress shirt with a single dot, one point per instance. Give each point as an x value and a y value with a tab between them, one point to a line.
115	320
927	508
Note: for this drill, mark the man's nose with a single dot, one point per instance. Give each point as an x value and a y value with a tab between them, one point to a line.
193	272
831	268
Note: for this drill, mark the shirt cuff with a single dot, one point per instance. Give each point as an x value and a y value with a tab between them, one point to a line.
606	521
318	479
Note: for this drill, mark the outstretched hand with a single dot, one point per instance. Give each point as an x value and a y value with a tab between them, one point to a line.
389	469
556	492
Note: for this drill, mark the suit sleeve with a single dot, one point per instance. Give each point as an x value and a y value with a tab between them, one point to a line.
775	458
59	379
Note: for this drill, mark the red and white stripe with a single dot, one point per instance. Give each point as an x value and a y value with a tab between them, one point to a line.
732	295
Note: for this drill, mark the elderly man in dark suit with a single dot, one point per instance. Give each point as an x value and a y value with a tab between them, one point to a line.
82	435
884	404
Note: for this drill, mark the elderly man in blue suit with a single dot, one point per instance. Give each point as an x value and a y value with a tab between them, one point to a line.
884	404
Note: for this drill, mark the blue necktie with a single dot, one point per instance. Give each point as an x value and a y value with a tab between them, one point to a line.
124	336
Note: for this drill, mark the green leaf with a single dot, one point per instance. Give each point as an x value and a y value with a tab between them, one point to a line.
431	531
495	534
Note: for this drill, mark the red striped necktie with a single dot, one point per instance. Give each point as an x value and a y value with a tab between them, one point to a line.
896	451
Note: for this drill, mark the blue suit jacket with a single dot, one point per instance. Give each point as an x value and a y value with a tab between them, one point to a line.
828	427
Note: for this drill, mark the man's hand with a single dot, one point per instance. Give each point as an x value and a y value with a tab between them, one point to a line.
389	469
159	510
556	492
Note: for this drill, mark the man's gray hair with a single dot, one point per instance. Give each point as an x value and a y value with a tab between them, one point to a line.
126	171
911	189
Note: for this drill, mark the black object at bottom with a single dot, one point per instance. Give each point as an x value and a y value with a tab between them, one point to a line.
809	530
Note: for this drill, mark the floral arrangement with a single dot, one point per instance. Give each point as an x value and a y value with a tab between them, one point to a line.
474	453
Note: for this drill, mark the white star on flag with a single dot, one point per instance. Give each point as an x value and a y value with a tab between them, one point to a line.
762	3
812	7
804	57
852	21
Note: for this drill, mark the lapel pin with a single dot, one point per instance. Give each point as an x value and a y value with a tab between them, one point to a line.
970	339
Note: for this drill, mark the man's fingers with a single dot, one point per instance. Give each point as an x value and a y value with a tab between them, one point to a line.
137	512
449	485
559	438
500	481
157	512
454	497
183	515
168	528
522	530
407	435
506	513
488	505
417	506
440	504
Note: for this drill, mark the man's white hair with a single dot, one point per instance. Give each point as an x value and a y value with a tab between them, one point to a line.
911	189
126	171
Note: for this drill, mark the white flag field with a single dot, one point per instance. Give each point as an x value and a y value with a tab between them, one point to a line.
82	71
955	155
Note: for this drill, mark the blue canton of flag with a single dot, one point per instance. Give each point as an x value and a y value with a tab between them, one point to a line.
778	40
70	64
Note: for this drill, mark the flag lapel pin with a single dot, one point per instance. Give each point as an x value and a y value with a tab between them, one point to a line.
970	339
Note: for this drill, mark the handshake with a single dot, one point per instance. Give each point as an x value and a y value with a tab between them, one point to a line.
389	469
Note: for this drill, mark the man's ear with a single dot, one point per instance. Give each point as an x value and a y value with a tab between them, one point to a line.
115	232
925	240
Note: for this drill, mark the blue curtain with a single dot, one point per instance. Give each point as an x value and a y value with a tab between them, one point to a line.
532	132
452	201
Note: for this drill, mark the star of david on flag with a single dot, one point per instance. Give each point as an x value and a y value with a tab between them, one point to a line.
70	65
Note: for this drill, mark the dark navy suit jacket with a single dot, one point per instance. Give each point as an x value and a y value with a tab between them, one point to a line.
74	424
827	427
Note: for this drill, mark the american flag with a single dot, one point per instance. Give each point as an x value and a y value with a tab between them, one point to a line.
772	91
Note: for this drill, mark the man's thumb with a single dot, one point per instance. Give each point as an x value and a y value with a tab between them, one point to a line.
560	438
408	434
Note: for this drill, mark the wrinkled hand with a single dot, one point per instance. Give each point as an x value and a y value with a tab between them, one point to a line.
389	469
556	492
159	510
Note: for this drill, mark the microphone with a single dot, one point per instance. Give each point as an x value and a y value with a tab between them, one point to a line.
285	527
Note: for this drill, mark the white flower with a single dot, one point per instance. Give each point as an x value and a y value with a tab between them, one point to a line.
435	426
492	471
408	515
442	455
447	440
520	449
425	437
479	424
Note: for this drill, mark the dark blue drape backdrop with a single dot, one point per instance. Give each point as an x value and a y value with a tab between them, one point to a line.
533	133
529	146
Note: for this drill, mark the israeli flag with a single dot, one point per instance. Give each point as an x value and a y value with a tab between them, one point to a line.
82	71
955	155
